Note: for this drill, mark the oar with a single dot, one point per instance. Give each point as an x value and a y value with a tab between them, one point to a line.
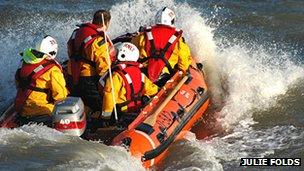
110	73
152	118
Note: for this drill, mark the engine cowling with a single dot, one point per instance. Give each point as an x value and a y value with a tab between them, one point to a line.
69	116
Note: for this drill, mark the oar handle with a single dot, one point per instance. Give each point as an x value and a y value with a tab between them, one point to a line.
152	118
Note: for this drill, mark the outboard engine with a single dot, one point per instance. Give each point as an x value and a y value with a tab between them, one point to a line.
69	116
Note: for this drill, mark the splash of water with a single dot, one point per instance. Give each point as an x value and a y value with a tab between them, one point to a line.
36	146
253	80
221	153
240	79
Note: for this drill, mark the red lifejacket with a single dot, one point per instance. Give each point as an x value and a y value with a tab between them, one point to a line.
160	43
79	40
26	77
134	83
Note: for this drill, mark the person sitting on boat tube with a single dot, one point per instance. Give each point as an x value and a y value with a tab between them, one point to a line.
88	58
162	48
40	82
129	83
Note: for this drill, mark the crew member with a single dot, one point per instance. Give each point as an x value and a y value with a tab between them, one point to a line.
89	53
130	84
40	83
163	48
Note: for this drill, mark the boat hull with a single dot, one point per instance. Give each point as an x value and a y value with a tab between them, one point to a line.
149	138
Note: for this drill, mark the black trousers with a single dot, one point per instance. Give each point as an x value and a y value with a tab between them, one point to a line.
87	89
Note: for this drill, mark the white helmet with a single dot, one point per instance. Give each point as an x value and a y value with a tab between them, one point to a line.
127	52
165	16
49	46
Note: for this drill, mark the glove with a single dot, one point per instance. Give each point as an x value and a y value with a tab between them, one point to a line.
106	115
106	119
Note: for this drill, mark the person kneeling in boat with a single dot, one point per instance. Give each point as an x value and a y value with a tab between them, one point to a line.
162	48
40	82
129	85
89	49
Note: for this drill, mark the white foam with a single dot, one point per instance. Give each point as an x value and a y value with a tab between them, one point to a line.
251	83
45	145
240	79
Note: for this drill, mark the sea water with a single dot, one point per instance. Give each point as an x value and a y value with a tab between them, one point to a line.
252	53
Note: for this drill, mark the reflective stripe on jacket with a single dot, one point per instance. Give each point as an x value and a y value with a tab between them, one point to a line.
88	52
49	77
180	55
122	89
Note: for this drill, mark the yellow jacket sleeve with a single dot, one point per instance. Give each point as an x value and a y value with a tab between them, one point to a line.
58	84
140	42
184	55
101	56
150	88
108	103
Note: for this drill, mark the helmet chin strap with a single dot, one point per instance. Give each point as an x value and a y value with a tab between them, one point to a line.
110	71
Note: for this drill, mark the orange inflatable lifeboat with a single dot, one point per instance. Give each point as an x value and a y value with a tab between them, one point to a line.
167	117
172	112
